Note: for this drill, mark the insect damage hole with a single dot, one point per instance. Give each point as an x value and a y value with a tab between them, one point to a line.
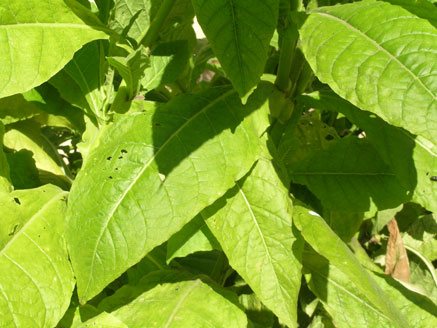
434	178
17	200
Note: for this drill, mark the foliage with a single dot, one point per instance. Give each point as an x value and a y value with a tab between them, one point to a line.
153	178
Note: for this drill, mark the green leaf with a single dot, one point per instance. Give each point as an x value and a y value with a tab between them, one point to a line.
36	280
37	39
252	223
195	236
239	32
131	69
5	180
15	108
350	176
350	307
412	159
23	171
181	304
420	8
132	16
27	136
157	170
88	69
421	236
380	57
167	63
77	315
325	242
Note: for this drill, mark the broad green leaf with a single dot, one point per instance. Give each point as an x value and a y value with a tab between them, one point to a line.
239	32
350	176
182	304
195	236
36	280
156	171
252	223
131	69
5	180
350	307
325	242
37	39
27	136
106	320
412	159
167	62
380	57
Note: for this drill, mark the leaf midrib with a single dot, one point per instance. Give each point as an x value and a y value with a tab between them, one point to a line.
138	176
377	45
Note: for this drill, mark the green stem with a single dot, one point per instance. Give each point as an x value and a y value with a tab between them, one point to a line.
152	32
288	47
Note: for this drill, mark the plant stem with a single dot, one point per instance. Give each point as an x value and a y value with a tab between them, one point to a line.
152	32
288	47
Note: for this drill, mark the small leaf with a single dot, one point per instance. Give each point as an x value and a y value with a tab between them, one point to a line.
239	32
34	45
36	280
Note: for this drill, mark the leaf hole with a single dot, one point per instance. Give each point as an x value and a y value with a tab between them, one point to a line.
17	200
329	137
109	158
110	177
124	151
120	157
434	178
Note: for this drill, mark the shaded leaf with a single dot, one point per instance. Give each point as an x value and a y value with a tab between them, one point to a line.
195	236
350	176
167	62
350	307
325	242
177	305
5	179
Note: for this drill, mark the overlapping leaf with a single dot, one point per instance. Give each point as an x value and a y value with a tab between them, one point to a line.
37	39
325	242
189	303
381	58
349	307
36	280
5	183
252	223
411	159
350	175
152	173
239	32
